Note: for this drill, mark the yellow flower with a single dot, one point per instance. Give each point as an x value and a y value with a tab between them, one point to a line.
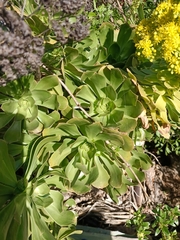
176	10
146	47
159	36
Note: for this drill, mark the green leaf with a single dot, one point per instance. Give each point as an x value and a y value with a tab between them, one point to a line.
91	131
55	115
67	218
23	228
7	171
124	35
63	102
78	121
47	83
54	210
36	24
69	129
15	228
133	111
41	189
72	172
45	119
13	133
173	114
80	188
102	56
11	220
92	175
106	35
40	96
123	189
141	12
31	125
10	107
56	180
128	143
114	171
127	125
115	117
39	228
15	149
61	153
6	214
33	153
157	232
71	53
128	98
86	94
5	118
110	92
116	78
137	173
97	82
67	231
114	50
127	51
144	160
102	180
51	102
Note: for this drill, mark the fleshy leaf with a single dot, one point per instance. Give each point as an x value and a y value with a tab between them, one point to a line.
47	83
102	180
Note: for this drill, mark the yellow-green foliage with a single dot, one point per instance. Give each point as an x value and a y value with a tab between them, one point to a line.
159	36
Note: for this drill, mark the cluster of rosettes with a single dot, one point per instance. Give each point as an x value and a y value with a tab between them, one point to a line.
159	36
64	28
20	52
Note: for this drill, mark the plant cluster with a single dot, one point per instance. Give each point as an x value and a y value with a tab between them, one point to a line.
166	146
66	129
141	226
71	124
164	223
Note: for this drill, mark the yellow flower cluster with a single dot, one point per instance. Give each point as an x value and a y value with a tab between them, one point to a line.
159	36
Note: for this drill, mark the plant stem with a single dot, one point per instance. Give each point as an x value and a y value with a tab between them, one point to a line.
74	99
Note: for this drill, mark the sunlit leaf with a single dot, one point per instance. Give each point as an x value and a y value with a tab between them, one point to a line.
102	180
115	172
127	125
61	153
40	96
67	231
135	174
86	94
106	36
39	228
97	83
47	83
91	131
80	188
69	129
